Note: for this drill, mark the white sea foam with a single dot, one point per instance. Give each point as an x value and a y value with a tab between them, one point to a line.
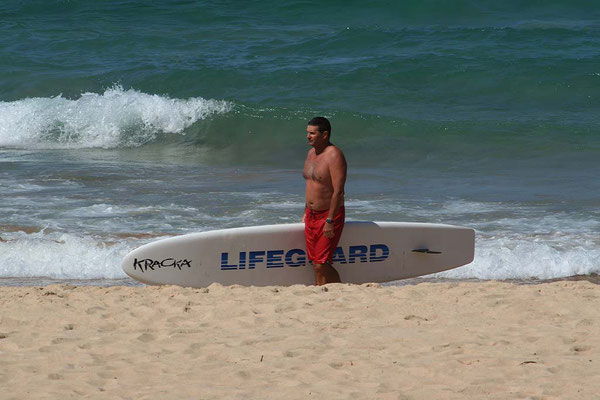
69	256
116	118
531	257
61	256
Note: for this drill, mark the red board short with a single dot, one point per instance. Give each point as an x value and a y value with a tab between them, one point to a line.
320	249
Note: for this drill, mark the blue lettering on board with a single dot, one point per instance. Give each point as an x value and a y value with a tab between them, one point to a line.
297	257
224	262
300	259
274	258
339	256
384	252
357	252
255	257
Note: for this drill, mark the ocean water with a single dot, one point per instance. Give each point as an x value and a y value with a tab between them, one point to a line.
125	121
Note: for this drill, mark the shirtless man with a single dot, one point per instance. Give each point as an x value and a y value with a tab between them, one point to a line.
324	214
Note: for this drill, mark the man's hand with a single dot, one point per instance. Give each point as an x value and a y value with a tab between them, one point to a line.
303	217
328	230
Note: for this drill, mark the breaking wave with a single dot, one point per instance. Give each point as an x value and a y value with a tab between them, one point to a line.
115	118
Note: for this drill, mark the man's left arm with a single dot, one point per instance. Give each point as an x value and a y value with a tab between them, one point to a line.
337	170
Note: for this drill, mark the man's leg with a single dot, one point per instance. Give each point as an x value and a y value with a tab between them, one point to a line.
325	273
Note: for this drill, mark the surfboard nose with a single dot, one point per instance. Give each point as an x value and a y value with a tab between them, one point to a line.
131	266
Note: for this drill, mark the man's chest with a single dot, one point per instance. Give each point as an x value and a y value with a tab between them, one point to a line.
316	169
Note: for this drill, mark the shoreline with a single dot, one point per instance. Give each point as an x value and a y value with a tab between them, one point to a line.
129	282
460	340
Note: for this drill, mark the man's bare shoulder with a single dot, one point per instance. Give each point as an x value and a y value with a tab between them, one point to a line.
334	152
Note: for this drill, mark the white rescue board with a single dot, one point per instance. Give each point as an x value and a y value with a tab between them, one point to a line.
276	255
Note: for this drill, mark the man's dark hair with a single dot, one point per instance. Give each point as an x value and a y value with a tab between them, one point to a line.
322	123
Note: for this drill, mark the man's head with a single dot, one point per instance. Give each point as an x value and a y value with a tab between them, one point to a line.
318	131
322	123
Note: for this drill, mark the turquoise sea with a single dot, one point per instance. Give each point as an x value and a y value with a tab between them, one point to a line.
124	121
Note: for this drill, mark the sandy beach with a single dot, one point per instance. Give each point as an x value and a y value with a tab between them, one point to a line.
488	340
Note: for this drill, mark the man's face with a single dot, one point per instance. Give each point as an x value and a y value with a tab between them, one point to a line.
313	135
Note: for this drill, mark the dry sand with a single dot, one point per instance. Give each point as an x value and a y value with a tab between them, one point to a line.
429	341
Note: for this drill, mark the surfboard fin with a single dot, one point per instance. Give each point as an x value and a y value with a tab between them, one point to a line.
426	251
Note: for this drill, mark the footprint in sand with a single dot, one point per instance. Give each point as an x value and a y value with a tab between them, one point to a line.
580	348
146	337
413	317
93	310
